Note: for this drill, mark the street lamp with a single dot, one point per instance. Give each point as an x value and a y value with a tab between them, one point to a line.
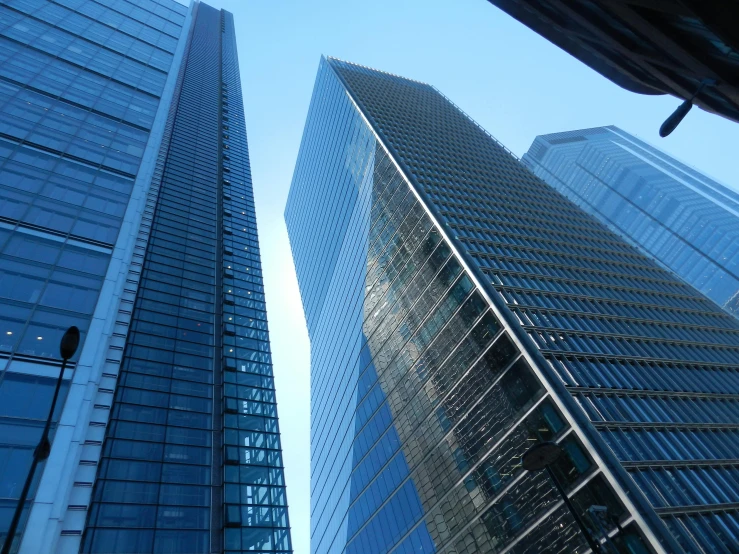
542	456
682	110
67	347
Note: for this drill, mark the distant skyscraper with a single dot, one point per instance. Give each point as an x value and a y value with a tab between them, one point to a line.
685	220
126	209
460	311
647	46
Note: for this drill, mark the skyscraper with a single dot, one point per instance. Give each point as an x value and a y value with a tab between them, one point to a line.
461	311
686	221
647	46
127	210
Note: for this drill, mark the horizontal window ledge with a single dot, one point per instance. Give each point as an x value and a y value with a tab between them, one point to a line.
603	269
646	464
605	299
697	509
693	364
100	44
559	231
595	284
569	255
73	103
635	338
75	240
587	228
66	156
652	393
608	316
600	244
663	425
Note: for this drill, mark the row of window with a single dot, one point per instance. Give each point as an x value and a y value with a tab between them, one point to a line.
81	53
574	258
124	541
644	375
614	308
648	409
538	230
29	247
121	21
453	195
36	331
564	341
34	171
562	267
69	119
689	486
633	445
551	284
87	146
712	532
557	244
479	226
95	31
79	87
570	322
117	12
47	286
64	219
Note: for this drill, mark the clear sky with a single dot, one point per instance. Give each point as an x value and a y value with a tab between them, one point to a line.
511	81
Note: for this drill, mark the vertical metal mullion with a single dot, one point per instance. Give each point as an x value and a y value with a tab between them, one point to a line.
216	515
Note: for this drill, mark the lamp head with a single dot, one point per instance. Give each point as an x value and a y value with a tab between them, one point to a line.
541	455
70	342
674	120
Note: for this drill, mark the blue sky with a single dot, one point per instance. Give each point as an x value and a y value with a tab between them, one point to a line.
511	81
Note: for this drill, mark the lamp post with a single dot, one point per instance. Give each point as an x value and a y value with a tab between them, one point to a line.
67	347
542	456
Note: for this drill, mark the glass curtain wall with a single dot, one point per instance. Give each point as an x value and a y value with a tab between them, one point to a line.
80	83
153	487
686	221
255	501
647	359
421	403
191	460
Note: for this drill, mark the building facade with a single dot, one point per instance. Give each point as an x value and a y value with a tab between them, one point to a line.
647	46
460	311
686	221
126	209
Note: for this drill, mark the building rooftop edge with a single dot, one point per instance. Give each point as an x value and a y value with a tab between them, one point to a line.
334	58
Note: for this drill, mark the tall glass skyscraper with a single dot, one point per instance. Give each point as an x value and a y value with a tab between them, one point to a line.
126	209
688	222
461	311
